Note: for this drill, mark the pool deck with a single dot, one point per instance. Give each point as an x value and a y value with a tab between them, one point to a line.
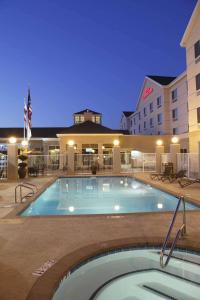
27	243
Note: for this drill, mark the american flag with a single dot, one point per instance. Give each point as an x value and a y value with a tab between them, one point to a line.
25	111
29	109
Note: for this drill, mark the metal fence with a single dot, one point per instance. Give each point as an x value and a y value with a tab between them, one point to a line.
190	163
84	163
138	162
46	164
3	166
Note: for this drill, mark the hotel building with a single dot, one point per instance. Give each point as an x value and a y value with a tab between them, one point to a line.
170	105
191	42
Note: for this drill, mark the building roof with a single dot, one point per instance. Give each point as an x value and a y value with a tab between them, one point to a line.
89	127
191	24
37	132
128	113
163	80
87	110
51	132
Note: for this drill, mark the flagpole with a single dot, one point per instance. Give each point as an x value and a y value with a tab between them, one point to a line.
24	120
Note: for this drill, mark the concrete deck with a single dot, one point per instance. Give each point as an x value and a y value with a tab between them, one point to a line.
26	243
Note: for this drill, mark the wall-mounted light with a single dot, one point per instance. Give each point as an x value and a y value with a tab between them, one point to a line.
174	140
12	140
70	143
159	142
24	143
116	142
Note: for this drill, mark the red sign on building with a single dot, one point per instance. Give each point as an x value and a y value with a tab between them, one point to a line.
147	92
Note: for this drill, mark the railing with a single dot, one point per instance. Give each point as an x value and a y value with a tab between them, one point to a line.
181	232
83	162
3	166
46	164
31	187
190	163
138	162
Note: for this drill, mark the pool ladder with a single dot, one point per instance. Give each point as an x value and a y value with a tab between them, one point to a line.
29	186
180	233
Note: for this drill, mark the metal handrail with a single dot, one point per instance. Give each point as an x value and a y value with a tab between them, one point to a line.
26	186
31	184
181	232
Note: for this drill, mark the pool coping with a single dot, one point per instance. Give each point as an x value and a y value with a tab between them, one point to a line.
46	285
15	213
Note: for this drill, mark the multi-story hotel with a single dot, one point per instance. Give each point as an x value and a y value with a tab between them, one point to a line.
191	42
170	105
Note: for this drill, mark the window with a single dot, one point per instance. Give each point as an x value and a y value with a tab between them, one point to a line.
175	114
197	49
97	119
159	118
198	114
145	111
174	95
134	122
139	128
151	122
139	115
198	82
134	131
144	124
151	107
159	101
79	119
175	131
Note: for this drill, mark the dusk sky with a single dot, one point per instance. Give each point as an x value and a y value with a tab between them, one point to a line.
85	54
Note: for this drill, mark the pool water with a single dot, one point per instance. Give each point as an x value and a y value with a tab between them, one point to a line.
133	275
101	195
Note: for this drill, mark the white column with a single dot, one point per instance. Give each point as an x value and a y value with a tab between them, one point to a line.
116	160
12	162
174	149
159	151
71	159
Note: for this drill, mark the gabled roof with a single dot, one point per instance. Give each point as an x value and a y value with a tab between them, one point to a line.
191	23
89	127
128	113
163	80
37	132
87	110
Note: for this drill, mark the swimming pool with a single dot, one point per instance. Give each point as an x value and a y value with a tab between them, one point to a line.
101	195
133	274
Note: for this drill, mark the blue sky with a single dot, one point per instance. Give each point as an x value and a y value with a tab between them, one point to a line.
85	54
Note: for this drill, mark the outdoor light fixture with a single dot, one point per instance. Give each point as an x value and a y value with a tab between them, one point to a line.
174	140
159	142
116	142
116	207
71	208
12	140
24	143
71	143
